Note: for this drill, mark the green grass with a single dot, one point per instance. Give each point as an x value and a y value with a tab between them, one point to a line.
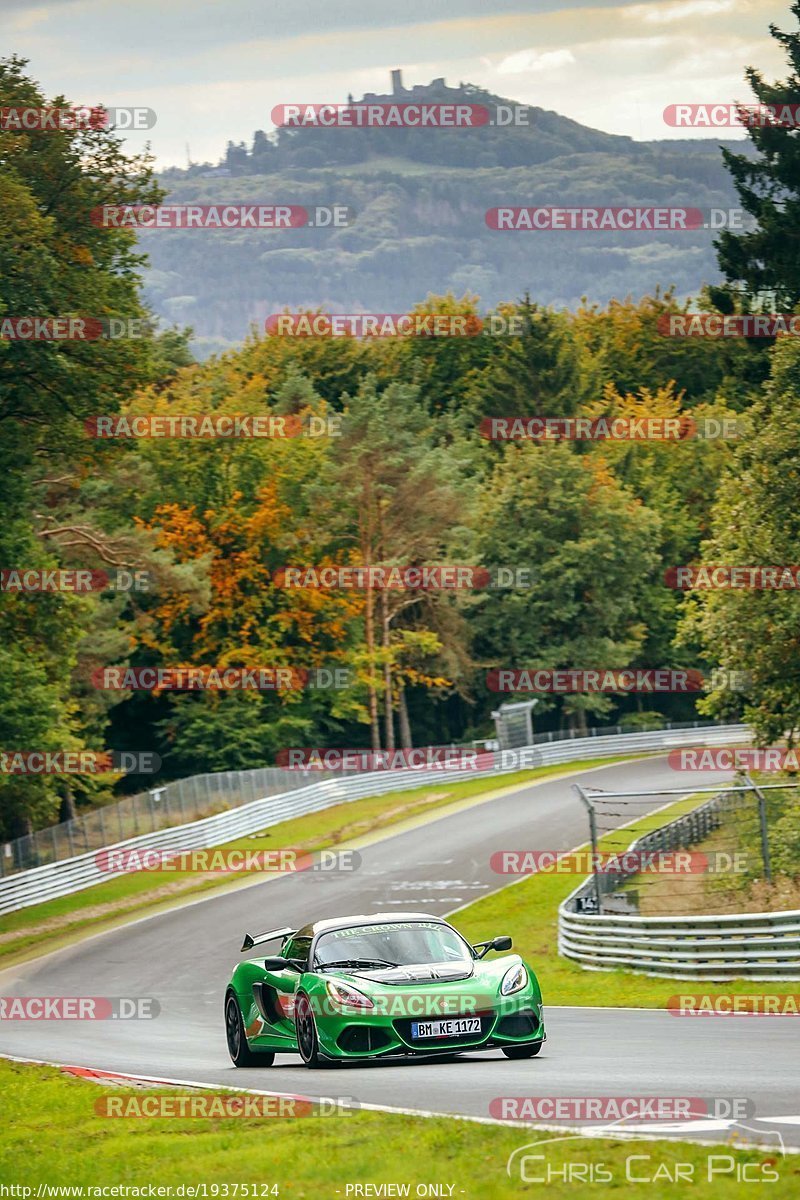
529	911
50	1133
45	926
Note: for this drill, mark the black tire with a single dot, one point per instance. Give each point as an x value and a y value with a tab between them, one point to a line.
529	1051
306	1030
240	1052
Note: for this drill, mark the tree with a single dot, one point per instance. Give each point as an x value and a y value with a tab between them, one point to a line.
765	262
677	480
390	496
241	514
626	339
589	543
756	522
54	262
237	158
263	154
543	371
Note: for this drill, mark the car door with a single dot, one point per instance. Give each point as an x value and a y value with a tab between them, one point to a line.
275	995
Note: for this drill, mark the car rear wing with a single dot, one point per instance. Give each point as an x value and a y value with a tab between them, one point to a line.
250	941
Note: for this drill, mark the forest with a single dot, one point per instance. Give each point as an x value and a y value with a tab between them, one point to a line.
373	451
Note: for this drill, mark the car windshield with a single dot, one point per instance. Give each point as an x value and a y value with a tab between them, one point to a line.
395	944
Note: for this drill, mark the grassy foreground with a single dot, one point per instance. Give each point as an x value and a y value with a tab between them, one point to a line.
51	1134
46	926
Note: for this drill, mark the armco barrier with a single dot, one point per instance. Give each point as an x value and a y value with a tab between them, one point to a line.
760	946
83	871
191	799
763	946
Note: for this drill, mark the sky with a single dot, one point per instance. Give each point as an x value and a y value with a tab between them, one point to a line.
214	69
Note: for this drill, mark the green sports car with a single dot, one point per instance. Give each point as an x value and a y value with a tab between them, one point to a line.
363	987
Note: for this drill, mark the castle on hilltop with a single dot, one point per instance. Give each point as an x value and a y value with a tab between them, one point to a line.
437	89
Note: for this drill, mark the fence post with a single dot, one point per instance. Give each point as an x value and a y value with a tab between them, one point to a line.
593	835
762	818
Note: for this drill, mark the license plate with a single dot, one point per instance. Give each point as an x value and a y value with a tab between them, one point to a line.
454	1028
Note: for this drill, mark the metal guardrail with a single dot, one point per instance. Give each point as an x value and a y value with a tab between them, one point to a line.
184	800
163	807
64	877
763	946
718	947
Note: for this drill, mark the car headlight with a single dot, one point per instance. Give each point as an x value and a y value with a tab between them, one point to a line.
346	997
514	979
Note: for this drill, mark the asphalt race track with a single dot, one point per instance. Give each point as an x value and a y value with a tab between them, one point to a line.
183	958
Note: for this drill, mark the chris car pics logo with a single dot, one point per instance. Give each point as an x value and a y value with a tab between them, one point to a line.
551	1160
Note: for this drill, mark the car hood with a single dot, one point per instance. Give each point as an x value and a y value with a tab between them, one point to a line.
409	974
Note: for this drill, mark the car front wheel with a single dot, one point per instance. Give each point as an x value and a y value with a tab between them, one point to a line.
240	1052
307	1040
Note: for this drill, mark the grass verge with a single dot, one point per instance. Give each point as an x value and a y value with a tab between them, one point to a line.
53	1135
46	926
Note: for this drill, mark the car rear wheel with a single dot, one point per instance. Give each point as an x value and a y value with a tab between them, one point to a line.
240	1052
307	1040
529	1051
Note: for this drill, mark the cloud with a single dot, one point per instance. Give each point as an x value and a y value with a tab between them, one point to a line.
529	60
682	10
611	66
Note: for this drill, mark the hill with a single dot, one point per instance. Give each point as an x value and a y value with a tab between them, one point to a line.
419	199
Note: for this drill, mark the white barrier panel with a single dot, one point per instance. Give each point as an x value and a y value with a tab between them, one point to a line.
764	946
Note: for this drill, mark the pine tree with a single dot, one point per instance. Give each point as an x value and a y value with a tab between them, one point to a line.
764	263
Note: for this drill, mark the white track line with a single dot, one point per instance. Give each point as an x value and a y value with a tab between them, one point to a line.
590	1132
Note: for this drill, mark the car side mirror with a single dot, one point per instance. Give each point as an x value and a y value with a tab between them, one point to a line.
498	943
276	963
